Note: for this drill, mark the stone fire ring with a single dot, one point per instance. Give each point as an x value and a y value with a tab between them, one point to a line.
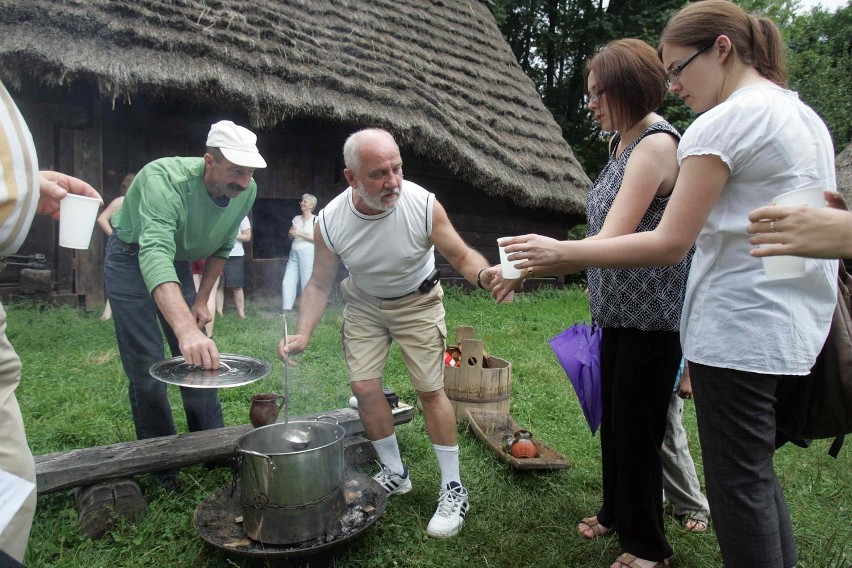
216	520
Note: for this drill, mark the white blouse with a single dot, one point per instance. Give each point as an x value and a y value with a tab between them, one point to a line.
733	316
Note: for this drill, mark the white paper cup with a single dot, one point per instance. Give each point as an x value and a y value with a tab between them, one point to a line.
77	215
782	267
810	196
509	272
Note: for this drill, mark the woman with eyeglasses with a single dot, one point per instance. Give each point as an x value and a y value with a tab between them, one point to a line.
638	309
743	334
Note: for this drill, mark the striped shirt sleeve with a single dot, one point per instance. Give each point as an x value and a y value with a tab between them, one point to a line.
19	184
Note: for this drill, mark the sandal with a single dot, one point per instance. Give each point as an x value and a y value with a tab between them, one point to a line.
628	560
592	522
692	523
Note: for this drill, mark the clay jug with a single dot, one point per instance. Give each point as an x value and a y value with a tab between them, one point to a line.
265	408
523	445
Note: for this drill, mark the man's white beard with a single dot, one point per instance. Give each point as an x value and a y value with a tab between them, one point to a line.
375	201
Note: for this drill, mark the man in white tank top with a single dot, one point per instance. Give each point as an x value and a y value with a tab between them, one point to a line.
385	230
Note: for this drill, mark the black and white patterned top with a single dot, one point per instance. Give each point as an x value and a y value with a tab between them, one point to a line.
649	299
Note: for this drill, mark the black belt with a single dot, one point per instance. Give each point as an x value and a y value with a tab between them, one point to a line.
430	282
398	297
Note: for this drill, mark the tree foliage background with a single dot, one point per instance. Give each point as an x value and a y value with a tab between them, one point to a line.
552	40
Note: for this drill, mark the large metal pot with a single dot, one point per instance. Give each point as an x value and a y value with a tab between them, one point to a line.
291	495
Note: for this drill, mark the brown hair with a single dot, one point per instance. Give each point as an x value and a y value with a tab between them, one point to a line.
125	183
756	39
217	154
632	76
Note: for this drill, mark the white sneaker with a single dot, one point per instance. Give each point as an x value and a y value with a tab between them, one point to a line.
393	484
452	507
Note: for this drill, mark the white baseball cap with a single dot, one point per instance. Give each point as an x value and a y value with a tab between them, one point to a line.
237	144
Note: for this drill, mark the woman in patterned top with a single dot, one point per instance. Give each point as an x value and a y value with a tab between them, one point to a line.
638	309
744	334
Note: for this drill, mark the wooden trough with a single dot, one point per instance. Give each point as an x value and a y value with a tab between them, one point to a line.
492	427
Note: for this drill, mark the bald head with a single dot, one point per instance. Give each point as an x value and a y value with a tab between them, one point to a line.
369	137
373	169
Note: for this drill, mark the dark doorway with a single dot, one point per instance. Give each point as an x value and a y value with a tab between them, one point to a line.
271	219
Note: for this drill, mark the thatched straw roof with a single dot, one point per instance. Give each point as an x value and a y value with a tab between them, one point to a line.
437	73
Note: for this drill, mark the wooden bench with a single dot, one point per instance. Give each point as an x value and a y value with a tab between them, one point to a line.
103	474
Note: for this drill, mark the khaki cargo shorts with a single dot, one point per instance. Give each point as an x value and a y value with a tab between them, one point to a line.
415	322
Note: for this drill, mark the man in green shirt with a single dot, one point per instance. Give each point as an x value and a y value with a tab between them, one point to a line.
176	210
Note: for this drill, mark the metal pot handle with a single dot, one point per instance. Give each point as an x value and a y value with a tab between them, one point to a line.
336	421
258	454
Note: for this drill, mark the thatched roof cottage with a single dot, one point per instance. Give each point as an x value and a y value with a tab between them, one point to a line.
108	85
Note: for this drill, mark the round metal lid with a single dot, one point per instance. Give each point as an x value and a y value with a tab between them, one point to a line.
233	371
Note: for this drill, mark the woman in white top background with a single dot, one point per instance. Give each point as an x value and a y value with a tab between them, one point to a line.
233	275
300	263
742	333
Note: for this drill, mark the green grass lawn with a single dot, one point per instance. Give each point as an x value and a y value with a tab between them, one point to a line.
74	395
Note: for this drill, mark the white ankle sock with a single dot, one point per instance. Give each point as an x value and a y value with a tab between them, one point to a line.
388	451
448	461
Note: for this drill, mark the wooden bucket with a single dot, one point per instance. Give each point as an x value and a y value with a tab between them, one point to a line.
471	386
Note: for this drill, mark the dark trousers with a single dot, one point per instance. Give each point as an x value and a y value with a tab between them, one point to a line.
736	427
140	344
638	369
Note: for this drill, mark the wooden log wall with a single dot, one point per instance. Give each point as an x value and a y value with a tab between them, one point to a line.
101	141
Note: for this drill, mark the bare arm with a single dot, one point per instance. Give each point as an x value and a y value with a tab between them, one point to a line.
803	231
684	389
294	232
651	170
106	214
464	259
701	181
213	267
244	236
196	347
314	298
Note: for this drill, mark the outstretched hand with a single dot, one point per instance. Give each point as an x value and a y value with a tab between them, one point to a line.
532	250
501	287
803	231
54	186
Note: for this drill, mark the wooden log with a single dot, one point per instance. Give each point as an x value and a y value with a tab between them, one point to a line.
358	450
34	281
85	466
101	506
58	299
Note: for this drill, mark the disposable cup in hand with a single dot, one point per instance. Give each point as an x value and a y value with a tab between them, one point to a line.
782	267
77	215
509	272
810	196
